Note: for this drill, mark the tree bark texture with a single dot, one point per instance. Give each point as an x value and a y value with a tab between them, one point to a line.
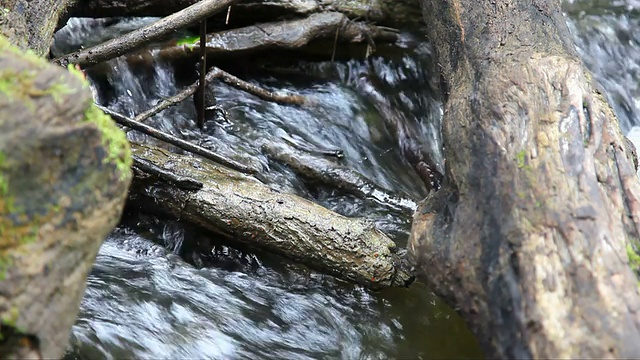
31	24
242	208
64	174
143	36
529	235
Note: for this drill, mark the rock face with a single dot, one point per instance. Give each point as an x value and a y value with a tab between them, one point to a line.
64	176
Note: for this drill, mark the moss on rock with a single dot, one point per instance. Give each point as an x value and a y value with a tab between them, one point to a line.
65	168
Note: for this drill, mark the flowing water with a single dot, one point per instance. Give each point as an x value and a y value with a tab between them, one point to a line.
163	289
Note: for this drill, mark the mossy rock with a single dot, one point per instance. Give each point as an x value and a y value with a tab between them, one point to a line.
64	176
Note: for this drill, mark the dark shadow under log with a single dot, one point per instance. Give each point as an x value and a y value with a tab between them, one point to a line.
529	235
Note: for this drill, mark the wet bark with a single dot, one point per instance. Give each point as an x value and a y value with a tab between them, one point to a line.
242	208
388	12
144	36
319	170
529	235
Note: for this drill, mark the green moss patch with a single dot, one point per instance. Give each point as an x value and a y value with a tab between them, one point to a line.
112	137
634	258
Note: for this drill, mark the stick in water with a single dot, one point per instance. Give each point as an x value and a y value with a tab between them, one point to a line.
185	145
216	73
203	73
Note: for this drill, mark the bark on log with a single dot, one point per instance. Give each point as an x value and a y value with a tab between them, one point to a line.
64	173
242	208
383	12
138	38
528	237
31	24
322	171
292	34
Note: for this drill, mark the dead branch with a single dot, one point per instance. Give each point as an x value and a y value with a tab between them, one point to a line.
185	145
138	38
292	34
326	172
202	83
245	210
387	12
217	73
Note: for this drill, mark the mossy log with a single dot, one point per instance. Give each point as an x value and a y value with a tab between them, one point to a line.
240	207
530	233
64	174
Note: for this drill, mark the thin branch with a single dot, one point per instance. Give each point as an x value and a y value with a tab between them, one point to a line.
123	120
217	73
258	91
202	85
138	38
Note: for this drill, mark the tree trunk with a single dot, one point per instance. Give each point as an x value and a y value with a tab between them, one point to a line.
529	235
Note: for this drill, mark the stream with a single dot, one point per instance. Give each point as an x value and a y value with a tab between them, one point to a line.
163	289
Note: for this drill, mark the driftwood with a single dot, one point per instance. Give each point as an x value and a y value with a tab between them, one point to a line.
530	233
64	174
146	35
243	209
292	34
323	171
185	145
385	12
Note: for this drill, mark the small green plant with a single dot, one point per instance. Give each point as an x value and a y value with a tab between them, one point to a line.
634	258
520	159
191	40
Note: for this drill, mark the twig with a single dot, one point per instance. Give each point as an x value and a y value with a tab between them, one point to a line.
123	120
335	41
203	76
138	38
217	73
258	91
226	22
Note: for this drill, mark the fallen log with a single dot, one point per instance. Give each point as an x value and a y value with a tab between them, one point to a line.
243	209
386	12
291	34
141	37
529	236
64	174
